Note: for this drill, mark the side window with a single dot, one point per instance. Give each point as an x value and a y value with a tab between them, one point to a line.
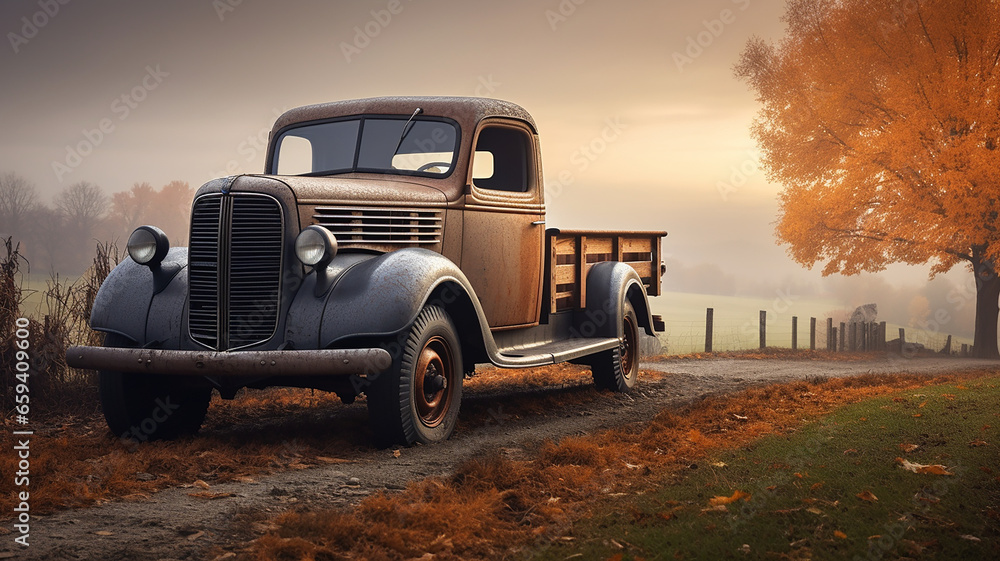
501	161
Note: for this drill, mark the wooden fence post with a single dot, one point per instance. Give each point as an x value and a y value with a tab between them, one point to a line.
763	329
881	336
843	336
812	334
709	328
831	342
795	333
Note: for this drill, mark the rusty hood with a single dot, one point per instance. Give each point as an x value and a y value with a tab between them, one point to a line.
351	189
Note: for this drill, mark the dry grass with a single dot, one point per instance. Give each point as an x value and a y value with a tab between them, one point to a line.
76	462
55	388
494	506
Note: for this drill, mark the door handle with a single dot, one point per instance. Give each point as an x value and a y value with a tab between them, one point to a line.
538	223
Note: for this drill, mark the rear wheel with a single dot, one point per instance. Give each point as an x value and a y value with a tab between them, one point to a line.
145	407
418	399
617	369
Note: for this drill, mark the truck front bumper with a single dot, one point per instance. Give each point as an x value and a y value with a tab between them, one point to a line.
320	362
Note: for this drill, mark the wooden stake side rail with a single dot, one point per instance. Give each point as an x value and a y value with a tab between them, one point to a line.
571	254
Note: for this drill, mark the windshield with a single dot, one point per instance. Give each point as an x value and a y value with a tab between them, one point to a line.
369	144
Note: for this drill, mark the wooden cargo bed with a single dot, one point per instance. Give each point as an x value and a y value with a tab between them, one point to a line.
571	254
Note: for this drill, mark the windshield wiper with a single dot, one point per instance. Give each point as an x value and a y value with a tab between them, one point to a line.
402	135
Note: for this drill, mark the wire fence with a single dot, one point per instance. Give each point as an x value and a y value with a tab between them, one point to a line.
745	333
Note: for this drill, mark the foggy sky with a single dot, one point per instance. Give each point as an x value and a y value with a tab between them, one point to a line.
635	101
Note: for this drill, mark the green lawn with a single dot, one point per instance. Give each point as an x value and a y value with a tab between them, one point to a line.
807	491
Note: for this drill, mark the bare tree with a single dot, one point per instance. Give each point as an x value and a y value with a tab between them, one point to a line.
17	199
83	204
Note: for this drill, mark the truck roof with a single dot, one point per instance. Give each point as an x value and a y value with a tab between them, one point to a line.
468	111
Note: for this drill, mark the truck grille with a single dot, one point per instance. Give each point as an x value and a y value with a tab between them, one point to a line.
234	270
360	226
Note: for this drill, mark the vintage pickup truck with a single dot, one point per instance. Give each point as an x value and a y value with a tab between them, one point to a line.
391	245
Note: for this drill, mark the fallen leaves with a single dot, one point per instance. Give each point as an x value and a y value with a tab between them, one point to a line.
908	447
839	534
970	538
934	469
977	443
737	495
867	496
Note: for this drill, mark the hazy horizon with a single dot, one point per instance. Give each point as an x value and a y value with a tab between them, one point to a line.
184	92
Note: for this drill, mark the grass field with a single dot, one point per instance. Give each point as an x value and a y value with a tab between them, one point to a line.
736	322
34	288
847	486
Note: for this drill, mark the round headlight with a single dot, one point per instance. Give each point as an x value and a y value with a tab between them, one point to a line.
148	245
315	246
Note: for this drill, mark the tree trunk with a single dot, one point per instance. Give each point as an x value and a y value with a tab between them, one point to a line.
987	309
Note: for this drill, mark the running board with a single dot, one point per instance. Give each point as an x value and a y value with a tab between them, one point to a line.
552	353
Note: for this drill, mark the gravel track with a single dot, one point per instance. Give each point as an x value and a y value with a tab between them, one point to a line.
172	525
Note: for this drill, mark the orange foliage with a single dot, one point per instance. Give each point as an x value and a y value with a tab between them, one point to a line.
880	119
169	209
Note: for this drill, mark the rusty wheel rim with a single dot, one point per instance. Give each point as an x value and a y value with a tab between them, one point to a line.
433	381
627	347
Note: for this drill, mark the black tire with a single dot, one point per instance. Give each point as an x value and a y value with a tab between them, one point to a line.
143	407
418	399
618	369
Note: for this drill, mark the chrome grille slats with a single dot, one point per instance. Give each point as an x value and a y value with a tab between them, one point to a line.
235	270
203	261
366	226
254	269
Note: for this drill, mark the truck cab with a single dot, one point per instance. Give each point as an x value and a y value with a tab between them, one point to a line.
390	246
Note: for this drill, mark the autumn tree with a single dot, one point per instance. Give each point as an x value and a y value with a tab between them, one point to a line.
132	208
174	210
880	119
168	208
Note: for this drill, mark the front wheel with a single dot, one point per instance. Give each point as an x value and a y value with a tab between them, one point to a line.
418	399
141	407
618	369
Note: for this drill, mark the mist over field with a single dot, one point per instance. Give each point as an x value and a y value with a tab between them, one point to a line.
642	123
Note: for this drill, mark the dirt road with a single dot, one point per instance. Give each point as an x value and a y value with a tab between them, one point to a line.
173	525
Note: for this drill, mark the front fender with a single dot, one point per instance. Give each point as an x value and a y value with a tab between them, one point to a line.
123	302
374	297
